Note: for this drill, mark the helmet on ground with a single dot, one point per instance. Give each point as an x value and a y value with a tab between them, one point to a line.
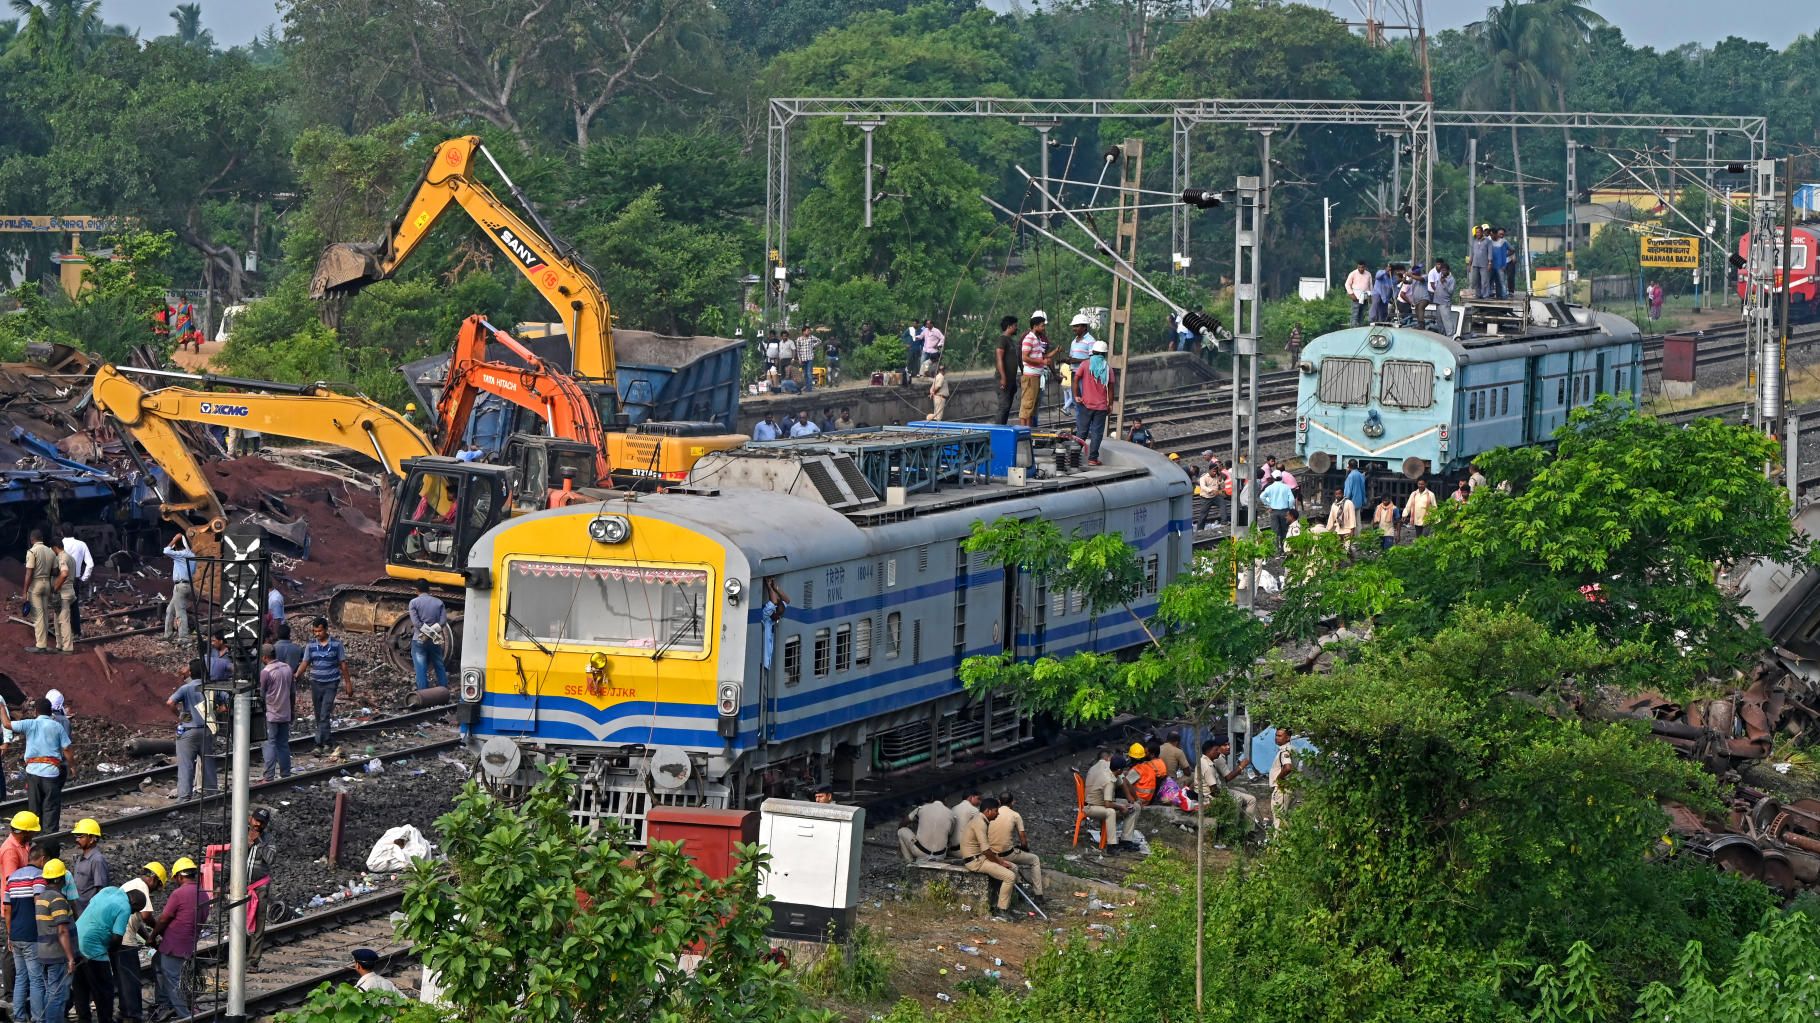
157	870
1136	752
184	865
1173	457
1101	348
87	826
54	869
25	820
1081	320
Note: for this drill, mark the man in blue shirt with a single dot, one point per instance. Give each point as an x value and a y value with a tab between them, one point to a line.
287	649
47	761
1500	258
182	571
767	428
99	930
327	662
221	666
429	636
274	611
1280	500
1355	486
194	739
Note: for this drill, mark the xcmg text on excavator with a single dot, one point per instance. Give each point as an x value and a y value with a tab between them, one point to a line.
437	505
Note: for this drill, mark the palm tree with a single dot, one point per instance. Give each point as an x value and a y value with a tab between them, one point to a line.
190	32
1531	48
58	32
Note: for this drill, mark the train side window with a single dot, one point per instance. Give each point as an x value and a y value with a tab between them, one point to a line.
1504	403
894	635
1561	391
843	648
862	642
916	641
1077	600
808	593
1617	381
1058	602
821	653
793	660
890	572
1151	566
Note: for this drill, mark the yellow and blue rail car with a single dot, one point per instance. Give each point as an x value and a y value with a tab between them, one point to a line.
1414	402
632	638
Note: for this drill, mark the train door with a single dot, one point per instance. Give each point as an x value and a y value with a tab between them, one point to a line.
786	654
1532	399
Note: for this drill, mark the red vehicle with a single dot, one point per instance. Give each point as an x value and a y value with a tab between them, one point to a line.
1802	296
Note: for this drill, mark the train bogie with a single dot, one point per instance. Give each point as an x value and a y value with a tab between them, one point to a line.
637	638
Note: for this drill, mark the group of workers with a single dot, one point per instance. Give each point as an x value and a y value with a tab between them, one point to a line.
75	937
987	834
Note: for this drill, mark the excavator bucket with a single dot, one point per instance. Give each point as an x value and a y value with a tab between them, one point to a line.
345	267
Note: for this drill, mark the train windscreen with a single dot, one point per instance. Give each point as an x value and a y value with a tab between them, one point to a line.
1408	384
1345	381
631	607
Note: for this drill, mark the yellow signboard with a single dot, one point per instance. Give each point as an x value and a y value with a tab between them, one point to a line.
43	225
1673	253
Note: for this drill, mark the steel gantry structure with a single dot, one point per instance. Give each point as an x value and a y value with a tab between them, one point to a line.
1417	120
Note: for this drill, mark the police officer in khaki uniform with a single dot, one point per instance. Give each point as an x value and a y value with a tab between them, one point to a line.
1005	833
41	579
978	857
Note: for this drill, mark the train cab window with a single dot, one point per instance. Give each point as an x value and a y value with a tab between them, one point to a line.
894	635
821	653
655	609
1407	384
1344	381
843	648
862	643
793	661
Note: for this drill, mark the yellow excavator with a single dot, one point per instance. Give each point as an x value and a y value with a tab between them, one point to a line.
654	451
438	505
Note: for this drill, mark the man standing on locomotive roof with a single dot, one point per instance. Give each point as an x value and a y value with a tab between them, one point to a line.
1033	355
1006	361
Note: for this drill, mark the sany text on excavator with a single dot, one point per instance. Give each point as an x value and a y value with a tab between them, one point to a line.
566	282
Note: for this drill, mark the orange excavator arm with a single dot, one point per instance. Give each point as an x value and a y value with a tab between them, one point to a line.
552	395
557	273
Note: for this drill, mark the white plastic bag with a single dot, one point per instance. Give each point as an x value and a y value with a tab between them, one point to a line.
396	849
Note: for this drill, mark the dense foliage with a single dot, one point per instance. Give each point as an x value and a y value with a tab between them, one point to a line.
639	130
1470	843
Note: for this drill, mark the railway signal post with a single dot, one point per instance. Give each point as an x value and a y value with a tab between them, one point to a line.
244	575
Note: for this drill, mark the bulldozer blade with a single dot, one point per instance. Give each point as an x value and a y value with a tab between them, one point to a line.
345	267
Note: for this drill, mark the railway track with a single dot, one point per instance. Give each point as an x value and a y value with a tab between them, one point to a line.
109	786
302	954
137	820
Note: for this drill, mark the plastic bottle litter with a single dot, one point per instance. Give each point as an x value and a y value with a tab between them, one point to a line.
971	950
375	767
942	996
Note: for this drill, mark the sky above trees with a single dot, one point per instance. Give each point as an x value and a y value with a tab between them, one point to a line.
1663	24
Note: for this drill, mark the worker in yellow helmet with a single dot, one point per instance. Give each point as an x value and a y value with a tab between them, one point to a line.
130	982
88	866
57	956
16	851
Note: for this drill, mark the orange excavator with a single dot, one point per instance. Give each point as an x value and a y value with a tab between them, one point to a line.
637	455
553	396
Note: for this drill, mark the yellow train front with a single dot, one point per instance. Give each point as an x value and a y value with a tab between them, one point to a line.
629	636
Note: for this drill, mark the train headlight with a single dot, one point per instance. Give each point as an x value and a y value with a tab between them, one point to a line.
727	703
1305	366
735	589
470	685
1446	372
610	529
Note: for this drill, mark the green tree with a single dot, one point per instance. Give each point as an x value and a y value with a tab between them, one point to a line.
532	916
662	275
190	33
1615	530
125	286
